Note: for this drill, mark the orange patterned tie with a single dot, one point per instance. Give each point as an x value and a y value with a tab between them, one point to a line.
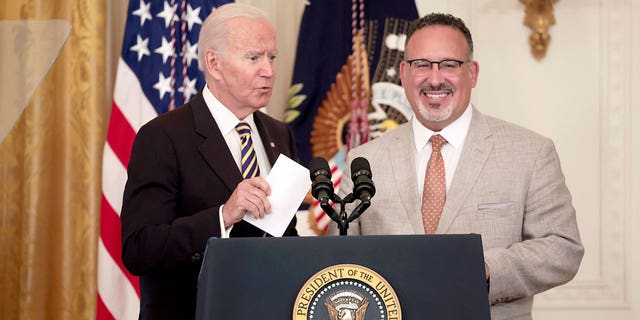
435	188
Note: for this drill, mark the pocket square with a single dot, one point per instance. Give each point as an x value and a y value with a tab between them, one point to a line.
493	205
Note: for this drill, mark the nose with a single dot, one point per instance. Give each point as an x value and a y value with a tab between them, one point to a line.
435	77
268	68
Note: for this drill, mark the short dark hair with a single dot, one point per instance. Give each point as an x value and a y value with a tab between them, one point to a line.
441	19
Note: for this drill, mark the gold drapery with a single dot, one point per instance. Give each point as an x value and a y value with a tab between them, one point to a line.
50	166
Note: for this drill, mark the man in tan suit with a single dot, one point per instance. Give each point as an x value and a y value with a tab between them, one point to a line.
497	179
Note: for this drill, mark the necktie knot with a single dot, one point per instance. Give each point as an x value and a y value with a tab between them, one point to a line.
437	141
243	129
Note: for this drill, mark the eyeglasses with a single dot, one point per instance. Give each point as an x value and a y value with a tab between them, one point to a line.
446	67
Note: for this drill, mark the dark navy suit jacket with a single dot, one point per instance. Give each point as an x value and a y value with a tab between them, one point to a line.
180	173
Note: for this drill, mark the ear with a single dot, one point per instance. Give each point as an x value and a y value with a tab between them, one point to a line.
474	70
212	62
404	69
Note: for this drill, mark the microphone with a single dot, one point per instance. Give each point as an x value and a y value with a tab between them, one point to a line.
363	187
321	185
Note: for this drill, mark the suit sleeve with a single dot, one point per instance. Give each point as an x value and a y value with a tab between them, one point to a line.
154	234
551	251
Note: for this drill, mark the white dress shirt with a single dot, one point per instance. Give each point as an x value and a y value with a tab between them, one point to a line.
455	134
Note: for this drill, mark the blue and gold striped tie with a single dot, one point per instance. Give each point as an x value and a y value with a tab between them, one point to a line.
249	160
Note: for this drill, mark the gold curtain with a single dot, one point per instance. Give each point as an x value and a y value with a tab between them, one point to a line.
50	166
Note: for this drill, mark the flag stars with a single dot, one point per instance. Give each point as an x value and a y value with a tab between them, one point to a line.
163	85
141	47
191	52
168	14
188	88
166	49
193	16
172	15
143	12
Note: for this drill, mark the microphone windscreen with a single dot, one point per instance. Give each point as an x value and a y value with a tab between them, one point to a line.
316	165
360	164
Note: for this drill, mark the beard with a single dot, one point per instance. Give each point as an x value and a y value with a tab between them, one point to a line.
436	111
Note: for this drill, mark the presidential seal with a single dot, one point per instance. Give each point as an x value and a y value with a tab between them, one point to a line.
347	292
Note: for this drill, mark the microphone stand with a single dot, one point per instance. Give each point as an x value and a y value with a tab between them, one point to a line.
341	218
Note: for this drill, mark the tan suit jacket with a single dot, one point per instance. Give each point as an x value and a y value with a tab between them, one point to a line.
508	187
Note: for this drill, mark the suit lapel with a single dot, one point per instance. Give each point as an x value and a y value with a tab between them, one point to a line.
401	157
268	141
477	147
214	149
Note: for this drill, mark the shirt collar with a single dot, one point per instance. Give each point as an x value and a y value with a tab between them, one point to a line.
455	133
225	119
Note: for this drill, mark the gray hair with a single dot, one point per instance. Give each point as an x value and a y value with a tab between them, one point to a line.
214	31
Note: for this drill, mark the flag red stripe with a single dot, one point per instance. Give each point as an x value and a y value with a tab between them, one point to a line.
110	235
120	135
102	312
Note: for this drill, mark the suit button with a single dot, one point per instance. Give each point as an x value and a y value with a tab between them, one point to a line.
196	257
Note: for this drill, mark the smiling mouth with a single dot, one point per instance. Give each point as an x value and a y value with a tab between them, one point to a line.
435	95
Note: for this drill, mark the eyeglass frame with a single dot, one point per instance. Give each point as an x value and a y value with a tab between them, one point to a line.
450	71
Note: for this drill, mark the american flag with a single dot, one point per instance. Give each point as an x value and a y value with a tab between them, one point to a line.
157	71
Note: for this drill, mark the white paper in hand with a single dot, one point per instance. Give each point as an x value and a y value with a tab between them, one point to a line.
289	183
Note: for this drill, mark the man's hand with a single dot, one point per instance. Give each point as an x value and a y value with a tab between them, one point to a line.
249	196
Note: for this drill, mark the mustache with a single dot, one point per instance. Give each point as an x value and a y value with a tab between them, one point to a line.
440	87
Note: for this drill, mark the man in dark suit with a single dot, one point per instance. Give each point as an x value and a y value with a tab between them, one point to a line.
184	178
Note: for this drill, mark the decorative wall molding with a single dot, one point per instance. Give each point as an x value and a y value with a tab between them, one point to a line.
610	288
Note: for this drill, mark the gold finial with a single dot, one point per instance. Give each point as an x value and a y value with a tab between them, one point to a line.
539	17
